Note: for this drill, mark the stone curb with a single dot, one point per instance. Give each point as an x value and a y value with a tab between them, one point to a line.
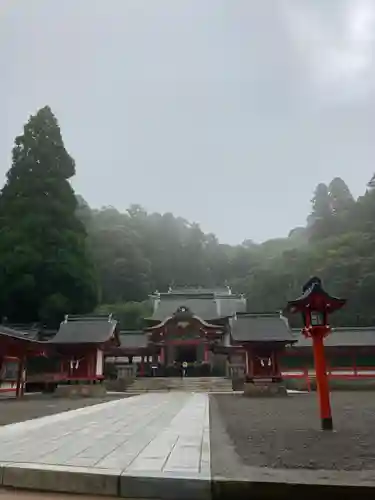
172	487
61	479
262	484
103	482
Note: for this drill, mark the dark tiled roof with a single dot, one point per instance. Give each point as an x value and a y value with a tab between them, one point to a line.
85	330
132	339
207	305
197	291
341	337
261	328
230	305
204	308
28	335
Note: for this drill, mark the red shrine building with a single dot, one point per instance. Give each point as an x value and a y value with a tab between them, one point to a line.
73	356
208	332
16	347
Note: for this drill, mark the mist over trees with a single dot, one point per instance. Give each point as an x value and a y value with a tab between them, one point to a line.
58	255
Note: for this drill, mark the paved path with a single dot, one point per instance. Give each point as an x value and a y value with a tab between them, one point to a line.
153	435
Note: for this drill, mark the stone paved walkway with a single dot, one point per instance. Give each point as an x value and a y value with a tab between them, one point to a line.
155	432
164	435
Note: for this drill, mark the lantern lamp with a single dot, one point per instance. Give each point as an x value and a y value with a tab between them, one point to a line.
315	304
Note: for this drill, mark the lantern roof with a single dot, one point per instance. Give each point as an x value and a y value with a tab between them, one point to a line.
315	298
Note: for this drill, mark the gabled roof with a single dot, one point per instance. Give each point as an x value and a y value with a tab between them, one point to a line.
133	339
15	333
230	305
183	315
268	327
203	303
203	307
341	337
85	330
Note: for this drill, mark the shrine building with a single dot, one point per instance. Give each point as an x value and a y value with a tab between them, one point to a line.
209	332
74	355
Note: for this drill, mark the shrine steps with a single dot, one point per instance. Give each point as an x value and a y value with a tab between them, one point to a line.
188	384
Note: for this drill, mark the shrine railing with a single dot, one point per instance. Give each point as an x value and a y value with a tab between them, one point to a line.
338	373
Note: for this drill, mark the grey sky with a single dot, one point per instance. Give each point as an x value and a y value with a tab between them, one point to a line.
226	112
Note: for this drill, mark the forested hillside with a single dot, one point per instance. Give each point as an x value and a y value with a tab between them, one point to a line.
136	253
58	255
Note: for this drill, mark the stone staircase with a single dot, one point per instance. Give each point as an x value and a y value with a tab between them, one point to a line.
188	384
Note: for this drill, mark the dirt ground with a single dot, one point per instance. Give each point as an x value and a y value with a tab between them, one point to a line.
40	405
285	432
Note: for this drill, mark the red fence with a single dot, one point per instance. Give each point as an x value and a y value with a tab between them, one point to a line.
333	373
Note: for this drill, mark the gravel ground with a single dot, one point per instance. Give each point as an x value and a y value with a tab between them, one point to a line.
285	432
40	405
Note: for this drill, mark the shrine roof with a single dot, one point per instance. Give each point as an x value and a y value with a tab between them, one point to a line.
341	337
130	339
17	333
85	330
270	327
204	308
228	306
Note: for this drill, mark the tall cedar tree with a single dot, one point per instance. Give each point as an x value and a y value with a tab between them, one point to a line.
45	268
320	219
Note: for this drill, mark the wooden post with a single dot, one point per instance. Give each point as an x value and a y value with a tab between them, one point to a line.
355	368
205	353
249	364
142	367
19	386
322	379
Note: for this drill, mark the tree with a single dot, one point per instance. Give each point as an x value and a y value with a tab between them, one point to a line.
341	198
45	268
320	219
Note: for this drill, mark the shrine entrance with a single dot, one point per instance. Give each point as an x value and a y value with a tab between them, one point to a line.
186	353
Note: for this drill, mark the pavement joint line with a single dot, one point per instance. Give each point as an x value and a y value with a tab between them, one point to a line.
155	417
81	451
169	454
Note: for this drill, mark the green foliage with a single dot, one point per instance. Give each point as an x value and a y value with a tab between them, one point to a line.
341	198
45	269
49	237
130	315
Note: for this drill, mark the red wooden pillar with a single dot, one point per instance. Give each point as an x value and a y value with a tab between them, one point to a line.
354	359
249	365
20	381
322	379
142	367
275	372
162	356
206	353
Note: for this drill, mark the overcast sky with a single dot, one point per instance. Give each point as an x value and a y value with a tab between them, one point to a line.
225	112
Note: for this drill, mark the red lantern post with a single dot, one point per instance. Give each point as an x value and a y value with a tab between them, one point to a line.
315	304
